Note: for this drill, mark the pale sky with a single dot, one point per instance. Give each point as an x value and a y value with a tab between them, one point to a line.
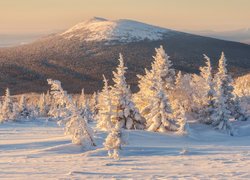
39	16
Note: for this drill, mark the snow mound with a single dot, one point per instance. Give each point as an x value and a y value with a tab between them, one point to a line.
100	29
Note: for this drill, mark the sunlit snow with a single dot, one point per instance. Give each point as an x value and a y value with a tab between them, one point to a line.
99	29
38	148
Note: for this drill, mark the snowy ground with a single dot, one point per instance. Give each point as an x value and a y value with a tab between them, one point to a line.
38	149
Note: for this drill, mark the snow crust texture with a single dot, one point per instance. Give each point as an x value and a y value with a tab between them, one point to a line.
39	149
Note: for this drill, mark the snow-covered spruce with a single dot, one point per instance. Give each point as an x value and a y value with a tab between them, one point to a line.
183	91
161	67
160	117
58	107
8	111
93	103
180	118
205	92
126	113
223	98
114	141
75	126
86	112
23	110
43	106
48	99
84	107
82	100
105	108
242	92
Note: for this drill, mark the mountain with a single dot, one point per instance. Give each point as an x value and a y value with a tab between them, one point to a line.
123	31
15	39
240	35
79	56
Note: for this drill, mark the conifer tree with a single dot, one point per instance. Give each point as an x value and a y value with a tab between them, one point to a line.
7	108
75	126
223	98
183	91
114	141
93	103
160	117
82	100
105	113
161	67
42	105
23	111
126	113
84	108
242	96
48	98
206	87
86	112
180	117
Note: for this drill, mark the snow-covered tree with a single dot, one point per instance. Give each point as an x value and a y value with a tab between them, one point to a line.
180	118
86	112
75	125
7	112
34	110
208	85
105	113
114	141
160	117
183	91
1	106
23	111
223	98
205	93
48	98
58	108
143	97
42	105
84	107
161	67
242	86
237	110
242	93
82	100
126	112
93	103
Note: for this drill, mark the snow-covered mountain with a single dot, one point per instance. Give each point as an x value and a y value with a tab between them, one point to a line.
82	54
100	29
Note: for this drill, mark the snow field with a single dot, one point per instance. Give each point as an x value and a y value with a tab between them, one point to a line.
38	149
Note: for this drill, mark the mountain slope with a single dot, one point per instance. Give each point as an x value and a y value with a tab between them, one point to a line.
99	29
79	56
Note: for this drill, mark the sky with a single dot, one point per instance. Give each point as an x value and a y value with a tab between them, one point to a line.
42	16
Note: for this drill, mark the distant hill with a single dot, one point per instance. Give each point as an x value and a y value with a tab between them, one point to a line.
240	35
79	56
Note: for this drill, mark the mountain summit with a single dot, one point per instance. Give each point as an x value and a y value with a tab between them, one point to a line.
123	30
